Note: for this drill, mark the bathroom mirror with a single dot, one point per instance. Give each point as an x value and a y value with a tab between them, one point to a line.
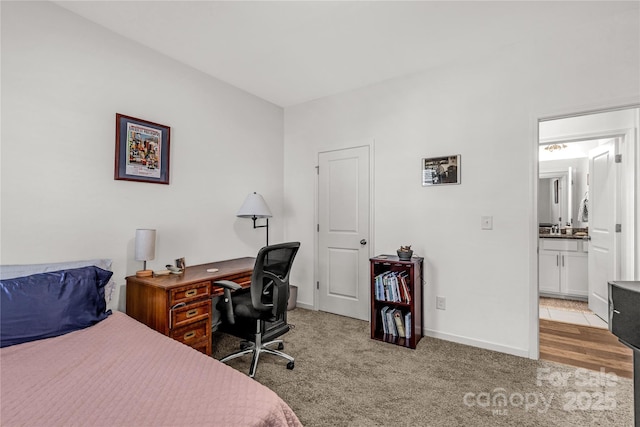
555	197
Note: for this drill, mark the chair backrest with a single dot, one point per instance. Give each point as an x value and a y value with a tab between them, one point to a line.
270	278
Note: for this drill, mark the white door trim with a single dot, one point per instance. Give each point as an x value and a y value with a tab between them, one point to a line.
316	216
535	119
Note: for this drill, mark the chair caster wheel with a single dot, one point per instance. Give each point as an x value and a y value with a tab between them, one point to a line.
280	346
290	365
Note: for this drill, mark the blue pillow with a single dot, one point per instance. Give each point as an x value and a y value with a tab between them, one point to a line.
50	304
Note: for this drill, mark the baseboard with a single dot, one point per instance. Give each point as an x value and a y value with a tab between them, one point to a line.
305	306
487	345
460	339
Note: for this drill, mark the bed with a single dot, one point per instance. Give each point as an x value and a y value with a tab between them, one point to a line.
115	371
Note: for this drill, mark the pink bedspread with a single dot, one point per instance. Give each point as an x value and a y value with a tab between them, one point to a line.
121	373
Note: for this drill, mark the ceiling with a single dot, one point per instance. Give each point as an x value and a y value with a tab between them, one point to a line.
289	52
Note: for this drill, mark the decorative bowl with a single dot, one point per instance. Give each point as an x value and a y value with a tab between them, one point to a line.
405	255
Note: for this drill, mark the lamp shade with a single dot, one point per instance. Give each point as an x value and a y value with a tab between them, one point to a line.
254	206
145	244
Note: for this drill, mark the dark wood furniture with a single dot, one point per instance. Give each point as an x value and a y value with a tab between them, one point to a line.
179	305
624	323
412	269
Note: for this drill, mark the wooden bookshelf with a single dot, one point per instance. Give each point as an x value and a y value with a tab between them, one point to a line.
391	280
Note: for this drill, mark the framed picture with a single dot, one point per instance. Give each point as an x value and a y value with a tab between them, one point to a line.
142	150
441	170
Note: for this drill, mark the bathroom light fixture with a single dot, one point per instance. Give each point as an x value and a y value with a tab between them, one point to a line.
552	147
145	249
255	207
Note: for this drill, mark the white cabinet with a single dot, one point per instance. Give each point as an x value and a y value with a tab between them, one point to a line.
562	268
549	271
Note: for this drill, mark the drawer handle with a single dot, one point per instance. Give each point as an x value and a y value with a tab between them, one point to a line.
192	313
191	292
189	335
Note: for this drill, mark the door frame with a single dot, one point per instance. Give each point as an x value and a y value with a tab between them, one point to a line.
370	143
630	151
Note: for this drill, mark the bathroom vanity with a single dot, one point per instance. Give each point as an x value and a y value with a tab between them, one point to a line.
563	267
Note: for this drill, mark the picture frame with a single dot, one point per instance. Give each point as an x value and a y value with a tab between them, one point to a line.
441	170
142	150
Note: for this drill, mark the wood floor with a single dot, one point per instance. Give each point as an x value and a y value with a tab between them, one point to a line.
584	347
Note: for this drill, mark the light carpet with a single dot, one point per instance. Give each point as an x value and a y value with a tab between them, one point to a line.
344	378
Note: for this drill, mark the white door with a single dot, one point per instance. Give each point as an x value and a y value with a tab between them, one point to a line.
602	213
343	232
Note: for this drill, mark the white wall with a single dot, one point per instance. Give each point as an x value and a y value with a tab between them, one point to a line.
485	109
63	81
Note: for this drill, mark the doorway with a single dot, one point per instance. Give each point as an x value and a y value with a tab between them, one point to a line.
564	205
585	194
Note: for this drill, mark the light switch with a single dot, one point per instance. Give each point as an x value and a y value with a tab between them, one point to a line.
486	222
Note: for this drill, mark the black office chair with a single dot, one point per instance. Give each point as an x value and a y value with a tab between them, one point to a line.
249	312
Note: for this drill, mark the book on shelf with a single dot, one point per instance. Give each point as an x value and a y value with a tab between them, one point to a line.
407	325
387	290
383	318
402	291
383	291
392	286
395	287
398	318
395	322
405	287
391	323
378	288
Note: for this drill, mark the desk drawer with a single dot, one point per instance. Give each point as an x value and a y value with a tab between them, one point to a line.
190	313
244	280
190	293
191	334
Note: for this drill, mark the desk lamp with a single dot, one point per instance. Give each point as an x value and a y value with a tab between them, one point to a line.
255	207
145	249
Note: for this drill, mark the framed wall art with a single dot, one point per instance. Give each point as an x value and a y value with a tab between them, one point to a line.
142	150
441	170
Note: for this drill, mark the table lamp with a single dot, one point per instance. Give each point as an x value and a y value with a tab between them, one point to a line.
145	249
255	207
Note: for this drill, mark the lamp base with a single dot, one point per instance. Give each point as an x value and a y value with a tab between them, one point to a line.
144	273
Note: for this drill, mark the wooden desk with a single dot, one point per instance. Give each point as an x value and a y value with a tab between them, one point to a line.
179	305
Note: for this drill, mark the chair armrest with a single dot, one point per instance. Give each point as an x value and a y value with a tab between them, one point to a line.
280	294
228	286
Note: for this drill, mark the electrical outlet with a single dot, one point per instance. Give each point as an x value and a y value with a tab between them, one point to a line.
486	222
441	303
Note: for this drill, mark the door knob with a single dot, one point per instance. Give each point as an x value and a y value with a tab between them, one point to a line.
363	242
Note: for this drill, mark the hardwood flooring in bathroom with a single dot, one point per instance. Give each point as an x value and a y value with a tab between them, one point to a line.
584	347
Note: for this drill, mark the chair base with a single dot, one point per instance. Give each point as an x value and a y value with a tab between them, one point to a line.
256	349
